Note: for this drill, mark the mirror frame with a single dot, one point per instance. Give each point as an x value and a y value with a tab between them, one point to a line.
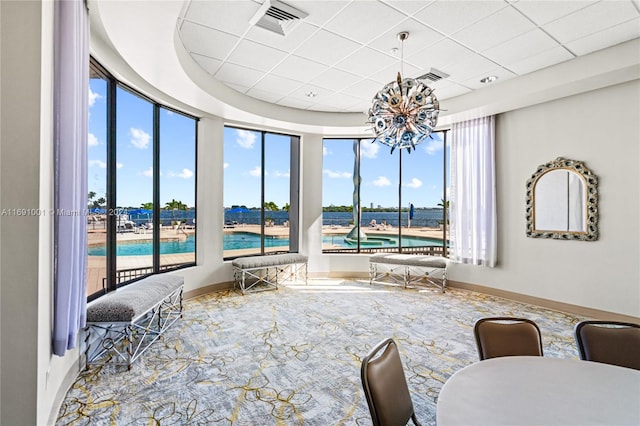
591	193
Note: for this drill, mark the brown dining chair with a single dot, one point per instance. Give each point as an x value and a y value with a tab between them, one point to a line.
609	342
385	386
507	336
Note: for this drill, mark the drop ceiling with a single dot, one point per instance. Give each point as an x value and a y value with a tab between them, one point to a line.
343	52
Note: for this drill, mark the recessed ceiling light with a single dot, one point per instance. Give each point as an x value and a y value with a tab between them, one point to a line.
489	79
311	94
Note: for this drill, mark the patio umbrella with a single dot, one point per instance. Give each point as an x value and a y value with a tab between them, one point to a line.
238	210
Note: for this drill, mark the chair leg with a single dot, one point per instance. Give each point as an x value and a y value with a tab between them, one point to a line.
415	420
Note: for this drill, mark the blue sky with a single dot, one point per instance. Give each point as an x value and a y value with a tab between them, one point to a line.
422	169
422	173
243	168
134	153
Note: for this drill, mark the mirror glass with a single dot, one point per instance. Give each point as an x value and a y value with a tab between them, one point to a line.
562	201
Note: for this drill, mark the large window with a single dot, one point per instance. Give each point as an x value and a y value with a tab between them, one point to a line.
395	203
141	175
260	192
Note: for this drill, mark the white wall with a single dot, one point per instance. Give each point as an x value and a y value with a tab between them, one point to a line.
600	128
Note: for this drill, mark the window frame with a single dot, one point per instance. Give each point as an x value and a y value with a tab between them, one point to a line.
112	281
294	190
359	249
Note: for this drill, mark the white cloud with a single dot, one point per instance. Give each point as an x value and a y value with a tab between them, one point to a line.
325	151
433	146
184	174
98	163
382	181
93	96
415	183
245	138
225	165
281	174
337	175
139	138
148	172
369	150
92	140
119	165
256	171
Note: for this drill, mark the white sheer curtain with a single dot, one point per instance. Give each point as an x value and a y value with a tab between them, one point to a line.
71	86
473	192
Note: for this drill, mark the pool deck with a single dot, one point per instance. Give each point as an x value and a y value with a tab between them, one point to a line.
97	264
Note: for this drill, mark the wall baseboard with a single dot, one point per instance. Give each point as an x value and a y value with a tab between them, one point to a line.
545	303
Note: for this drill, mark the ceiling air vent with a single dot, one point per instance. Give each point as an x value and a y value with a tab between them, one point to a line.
277	17
433	75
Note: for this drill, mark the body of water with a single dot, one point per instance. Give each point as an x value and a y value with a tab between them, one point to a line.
427	217
245	240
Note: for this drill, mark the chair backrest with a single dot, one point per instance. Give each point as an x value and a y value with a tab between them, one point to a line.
507	336
610	342
385	386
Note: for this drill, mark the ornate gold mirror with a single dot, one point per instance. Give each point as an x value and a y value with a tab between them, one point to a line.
562	201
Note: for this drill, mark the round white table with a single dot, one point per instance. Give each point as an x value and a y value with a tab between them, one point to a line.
525	390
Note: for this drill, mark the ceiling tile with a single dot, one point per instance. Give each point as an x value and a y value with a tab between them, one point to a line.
263	95
365	62
321	93
420	36
474	82
326	47
286	43
363	21
493	30
439	55
256	56
224	15
605	38
591	19
335	79
541	60
210	65
521	47
273	83
365	89
449	17
299	68
319	11
206	41
408	7
230	73
295	103
389	72
237	87
543	12
450	92
469	66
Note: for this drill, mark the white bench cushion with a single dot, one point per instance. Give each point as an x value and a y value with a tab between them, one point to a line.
410	260
127	303
267	261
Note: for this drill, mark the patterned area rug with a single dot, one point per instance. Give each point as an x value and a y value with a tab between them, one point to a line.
292	356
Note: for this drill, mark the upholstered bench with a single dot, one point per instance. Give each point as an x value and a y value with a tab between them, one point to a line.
122	324
407	268
259	273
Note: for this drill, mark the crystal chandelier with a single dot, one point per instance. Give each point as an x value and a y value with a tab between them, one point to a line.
405	112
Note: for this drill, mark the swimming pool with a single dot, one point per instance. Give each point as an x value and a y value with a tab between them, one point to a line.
246	240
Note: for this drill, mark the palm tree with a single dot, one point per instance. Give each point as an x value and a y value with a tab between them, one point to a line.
174	205
445	206
146	206
270	205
